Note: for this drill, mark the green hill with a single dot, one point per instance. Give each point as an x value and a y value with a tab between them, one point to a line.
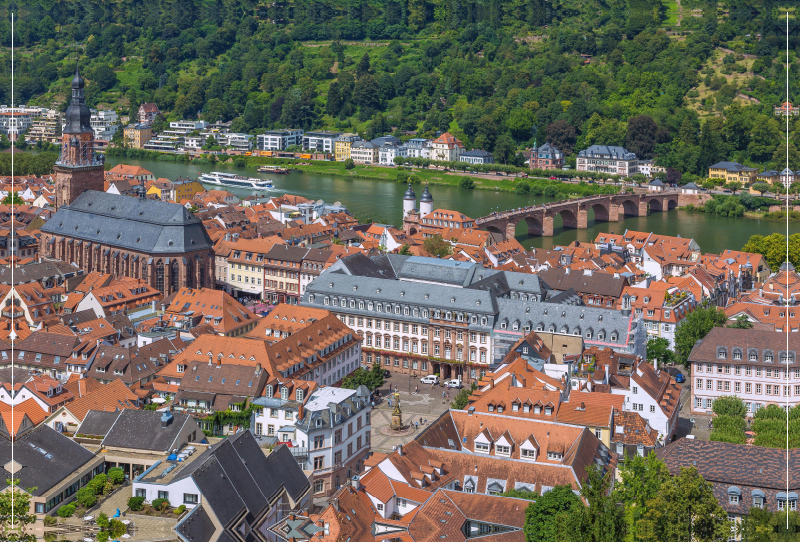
499	74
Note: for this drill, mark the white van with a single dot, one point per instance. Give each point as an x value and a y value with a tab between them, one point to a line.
430	379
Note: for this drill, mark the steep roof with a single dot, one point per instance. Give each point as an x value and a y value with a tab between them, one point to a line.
139	224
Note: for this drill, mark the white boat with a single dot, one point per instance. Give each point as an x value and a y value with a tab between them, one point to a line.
235	181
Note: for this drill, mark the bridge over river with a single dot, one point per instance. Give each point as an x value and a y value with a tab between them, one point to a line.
575	212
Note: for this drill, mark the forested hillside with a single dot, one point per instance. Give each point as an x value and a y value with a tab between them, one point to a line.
499	74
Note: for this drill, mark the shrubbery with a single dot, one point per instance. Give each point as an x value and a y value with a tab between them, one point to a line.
136	503
66	511
161	504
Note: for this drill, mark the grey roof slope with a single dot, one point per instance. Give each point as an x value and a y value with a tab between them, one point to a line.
142	225
141	430
46	456
238	482
578	320
619	153
606	284
38	271
97	422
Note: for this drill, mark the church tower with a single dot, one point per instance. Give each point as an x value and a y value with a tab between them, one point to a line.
78	168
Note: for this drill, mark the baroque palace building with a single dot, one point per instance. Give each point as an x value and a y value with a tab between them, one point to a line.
159	242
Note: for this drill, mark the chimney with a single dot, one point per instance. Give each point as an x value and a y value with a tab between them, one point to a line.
356	482
583	407
166	419
300	412
210	359
258	369
400	450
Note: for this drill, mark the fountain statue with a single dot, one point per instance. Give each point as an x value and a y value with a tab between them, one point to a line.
397	414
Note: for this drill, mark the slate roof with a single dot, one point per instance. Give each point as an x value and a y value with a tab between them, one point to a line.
732	166
726	465
746	341
605	284
46	456
238	483
141	430
142	225
97	423
477	153
601	151
38	272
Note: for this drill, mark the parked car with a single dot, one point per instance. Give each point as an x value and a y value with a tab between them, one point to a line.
430	379
454	383
679	378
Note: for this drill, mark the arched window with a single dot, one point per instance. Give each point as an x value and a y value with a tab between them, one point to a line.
174	276
284	393
299	395
160	276
201	280
189	274
144	271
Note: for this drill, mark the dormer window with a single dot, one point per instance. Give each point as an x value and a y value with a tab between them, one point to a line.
737	354
284	393
502	450
721	354
537	409
548	410
526	408
514	407
528	454
482	447
299	396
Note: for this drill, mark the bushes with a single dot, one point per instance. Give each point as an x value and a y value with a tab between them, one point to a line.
466	182
239	162
86	497
102	520
522	188
180	510
49	521
116	475
66	511
161	504
116	528
729	423
349	164
136	503
770	427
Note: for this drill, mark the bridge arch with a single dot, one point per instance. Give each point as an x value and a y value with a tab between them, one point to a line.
568	217
672	203
630	207
601	211
496	231
534	225
655	205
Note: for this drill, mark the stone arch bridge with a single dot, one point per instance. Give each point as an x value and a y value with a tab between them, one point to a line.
575	213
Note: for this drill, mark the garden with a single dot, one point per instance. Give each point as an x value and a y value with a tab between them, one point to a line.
92	493
157	508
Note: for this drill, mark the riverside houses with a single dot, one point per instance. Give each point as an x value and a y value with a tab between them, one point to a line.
427	315
752	364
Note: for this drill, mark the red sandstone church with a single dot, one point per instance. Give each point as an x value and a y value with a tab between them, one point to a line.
159	242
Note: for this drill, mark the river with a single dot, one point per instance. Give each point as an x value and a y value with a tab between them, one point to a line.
382	201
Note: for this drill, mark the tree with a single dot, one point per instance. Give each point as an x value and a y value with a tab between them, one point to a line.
540	516
15	516
503	148
349	164
104	77
729	405
363	66
742	322
773	248
462	399
711	148
673	176
601	521
685	508
116	475
13	198
658	350
734	186
372	378
405	250
694	328
761	187
641	479
437	247
641	136
520	123
466	182
763	141
561	135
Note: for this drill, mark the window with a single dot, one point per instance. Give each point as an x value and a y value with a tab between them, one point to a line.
698	402
319	441
635	390
380	507
319	462
528	454
190	498
652	408
482	447
319	486
163	495
758	389
502	450
733	498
